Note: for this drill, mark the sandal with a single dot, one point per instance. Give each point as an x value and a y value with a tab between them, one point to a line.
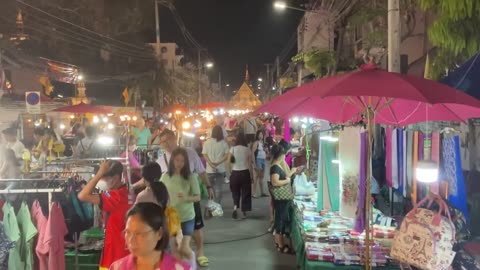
202	261
287	250
279	249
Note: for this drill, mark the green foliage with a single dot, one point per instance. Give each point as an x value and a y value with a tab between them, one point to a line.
455	31
365	14
320	63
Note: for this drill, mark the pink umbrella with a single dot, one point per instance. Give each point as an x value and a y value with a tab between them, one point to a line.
394	99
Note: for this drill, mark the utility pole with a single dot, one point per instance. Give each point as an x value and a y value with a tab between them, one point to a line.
277	63
268	82
299	74
159	92
394	35
199	76
220	82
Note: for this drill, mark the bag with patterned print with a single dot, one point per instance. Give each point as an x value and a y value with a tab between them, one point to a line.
425	239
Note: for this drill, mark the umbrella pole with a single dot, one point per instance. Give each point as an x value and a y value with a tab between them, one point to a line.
368	204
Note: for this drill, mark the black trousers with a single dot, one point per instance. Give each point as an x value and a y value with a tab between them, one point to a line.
241	187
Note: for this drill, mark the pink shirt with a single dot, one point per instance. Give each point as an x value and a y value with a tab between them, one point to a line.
54	238
40	221
168	263
132	159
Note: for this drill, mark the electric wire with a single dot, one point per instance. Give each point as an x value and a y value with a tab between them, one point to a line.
81	43
237	239
40	23
77	26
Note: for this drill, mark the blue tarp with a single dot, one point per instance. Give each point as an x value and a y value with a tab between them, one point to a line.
466	77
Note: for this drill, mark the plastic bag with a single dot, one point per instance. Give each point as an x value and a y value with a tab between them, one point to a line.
303	186
214	208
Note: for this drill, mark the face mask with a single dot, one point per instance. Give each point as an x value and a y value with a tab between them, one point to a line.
105	185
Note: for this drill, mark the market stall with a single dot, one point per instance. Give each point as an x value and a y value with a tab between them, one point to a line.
359	97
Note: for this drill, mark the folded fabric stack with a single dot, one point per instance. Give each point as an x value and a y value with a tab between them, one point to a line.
319	252
383	232
346	259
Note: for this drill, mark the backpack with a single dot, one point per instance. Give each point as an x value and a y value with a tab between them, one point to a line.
425	239
85	153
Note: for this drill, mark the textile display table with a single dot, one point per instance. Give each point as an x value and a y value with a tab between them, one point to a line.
298	241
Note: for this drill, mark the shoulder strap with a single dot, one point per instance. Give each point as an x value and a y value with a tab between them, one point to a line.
165	158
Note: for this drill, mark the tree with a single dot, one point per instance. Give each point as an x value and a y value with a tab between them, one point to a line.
358	25
454	32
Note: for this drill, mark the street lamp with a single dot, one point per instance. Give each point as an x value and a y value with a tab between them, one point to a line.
80	77
209	65
282	5
260	79
228	85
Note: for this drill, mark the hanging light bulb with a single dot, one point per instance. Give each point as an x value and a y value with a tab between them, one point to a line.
427	171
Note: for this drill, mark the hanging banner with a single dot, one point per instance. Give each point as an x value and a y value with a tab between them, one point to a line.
32	101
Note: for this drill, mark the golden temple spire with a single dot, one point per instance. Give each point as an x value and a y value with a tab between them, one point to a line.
247	76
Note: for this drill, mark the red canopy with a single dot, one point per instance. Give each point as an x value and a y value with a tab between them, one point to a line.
84	108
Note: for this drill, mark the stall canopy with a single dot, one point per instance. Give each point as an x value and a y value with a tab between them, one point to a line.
466	77
245	98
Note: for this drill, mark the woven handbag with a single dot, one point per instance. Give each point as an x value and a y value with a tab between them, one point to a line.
282	193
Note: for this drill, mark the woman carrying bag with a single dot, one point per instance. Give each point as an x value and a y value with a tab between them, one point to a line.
281	187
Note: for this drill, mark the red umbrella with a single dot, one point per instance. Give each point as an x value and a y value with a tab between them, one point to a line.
211	105
84	108
394	98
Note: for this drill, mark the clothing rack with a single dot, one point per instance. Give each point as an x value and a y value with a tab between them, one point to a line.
50	191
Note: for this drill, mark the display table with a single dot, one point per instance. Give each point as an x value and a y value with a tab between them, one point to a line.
299	246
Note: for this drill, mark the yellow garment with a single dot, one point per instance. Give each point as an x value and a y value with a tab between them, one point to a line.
173	221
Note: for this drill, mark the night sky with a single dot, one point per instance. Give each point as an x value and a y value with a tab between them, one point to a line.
235	32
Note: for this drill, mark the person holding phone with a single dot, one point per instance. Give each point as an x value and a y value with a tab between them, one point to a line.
114	202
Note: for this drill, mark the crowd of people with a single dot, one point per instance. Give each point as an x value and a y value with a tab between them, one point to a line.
159	223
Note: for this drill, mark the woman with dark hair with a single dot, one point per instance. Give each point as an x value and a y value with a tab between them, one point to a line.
215	151
280	176
240	160
182	185
146	236
260	160
156	192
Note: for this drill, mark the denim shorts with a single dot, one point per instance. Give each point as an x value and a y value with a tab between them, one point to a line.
188	227
260	163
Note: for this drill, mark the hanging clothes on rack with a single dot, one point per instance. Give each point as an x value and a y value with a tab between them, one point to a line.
13	232
27	233
349	156
5	246
40	222
452	172
388	157
54	238
363	193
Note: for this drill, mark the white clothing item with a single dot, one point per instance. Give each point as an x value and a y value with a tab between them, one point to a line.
215	152
17	147
241	154
196	165
250	125
261	154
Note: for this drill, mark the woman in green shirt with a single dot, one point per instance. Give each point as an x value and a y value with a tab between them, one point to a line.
184	190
